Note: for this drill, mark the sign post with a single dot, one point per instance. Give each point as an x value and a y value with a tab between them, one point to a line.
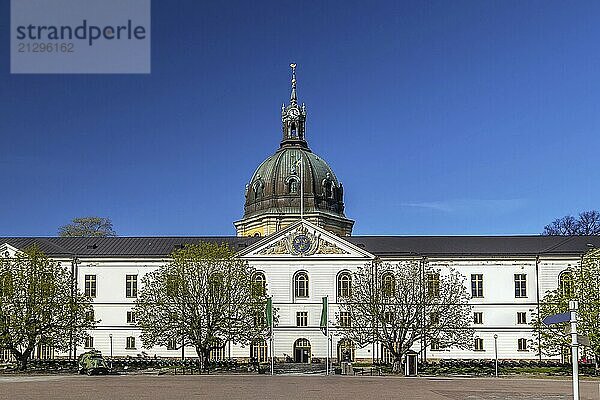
571	317
573	306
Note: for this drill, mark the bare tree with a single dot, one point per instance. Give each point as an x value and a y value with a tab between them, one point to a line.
400	305
203	298
88	227
588	223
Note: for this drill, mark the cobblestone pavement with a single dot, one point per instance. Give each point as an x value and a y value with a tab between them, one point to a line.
230	387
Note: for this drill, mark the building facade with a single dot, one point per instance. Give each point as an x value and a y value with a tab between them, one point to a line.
295	198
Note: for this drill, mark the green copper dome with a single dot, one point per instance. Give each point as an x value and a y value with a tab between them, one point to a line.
275	186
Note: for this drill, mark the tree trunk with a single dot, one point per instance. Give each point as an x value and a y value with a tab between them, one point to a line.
397	365
204	355
23	358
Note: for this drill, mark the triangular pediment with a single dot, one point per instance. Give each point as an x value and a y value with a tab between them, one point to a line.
303	239
8	251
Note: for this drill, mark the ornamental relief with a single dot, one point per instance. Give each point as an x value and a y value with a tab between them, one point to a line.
302	243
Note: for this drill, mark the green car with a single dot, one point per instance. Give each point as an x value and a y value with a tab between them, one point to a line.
92	363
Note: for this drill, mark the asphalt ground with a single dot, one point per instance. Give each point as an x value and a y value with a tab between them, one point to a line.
229	387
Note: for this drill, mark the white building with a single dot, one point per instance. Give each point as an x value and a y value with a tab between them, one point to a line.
295	194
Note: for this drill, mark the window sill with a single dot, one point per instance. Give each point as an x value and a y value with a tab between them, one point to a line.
130	348
479	351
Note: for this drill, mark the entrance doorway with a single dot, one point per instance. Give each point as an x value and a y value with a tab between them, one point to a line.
302	351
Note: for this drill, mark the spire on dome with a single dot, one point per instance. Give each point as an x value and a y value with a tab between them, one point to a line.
293	97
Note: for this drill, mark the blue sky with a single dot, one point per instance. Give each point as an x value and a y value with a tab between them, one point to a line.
461	117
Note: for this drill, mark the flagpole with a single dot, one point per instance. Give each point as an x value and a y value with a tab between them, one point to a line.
272	341
327	336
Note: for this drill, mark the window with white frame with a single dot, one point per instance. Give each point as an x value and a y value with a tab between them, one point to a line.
302	318
433	284
520	285
259	350
301	284
89	342
521	318
344	284
131	286
345	319
90	285
172	344
478	318
131	318
476	285
259	284
130	343
522	344
478	344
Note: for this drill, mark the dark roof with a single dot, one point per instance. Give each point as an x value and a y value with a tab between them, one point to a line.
378	245
120	246
475	245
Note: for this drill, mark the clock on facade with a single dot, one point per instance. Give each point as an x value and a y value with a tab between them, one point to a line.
301	244
294	112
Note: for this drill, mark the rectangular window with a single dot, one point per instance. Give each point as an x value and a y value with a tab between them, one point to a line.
89	342
131	319
388	317
89	315
131	286
521	318
522	344
90	285
433	284
302	318
476	285
520	285
345	319
172	344
435	345
259	319
478	318
130	343
434	318
478	344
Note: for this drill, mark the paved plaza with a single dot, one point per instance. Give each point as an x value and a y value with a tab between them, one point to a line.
230	387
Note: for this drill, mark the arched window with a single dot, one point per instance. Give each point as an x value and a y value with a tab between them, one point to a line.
565	283
344	284
259	350
259	284
293	186
301	284
388	284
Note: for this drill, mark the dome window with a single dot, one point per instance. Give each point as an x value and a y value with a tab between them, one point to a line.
293	184
258	188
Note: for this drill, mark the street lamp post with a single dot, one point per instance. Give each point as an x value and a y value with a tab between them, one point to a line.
111	346
496	352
